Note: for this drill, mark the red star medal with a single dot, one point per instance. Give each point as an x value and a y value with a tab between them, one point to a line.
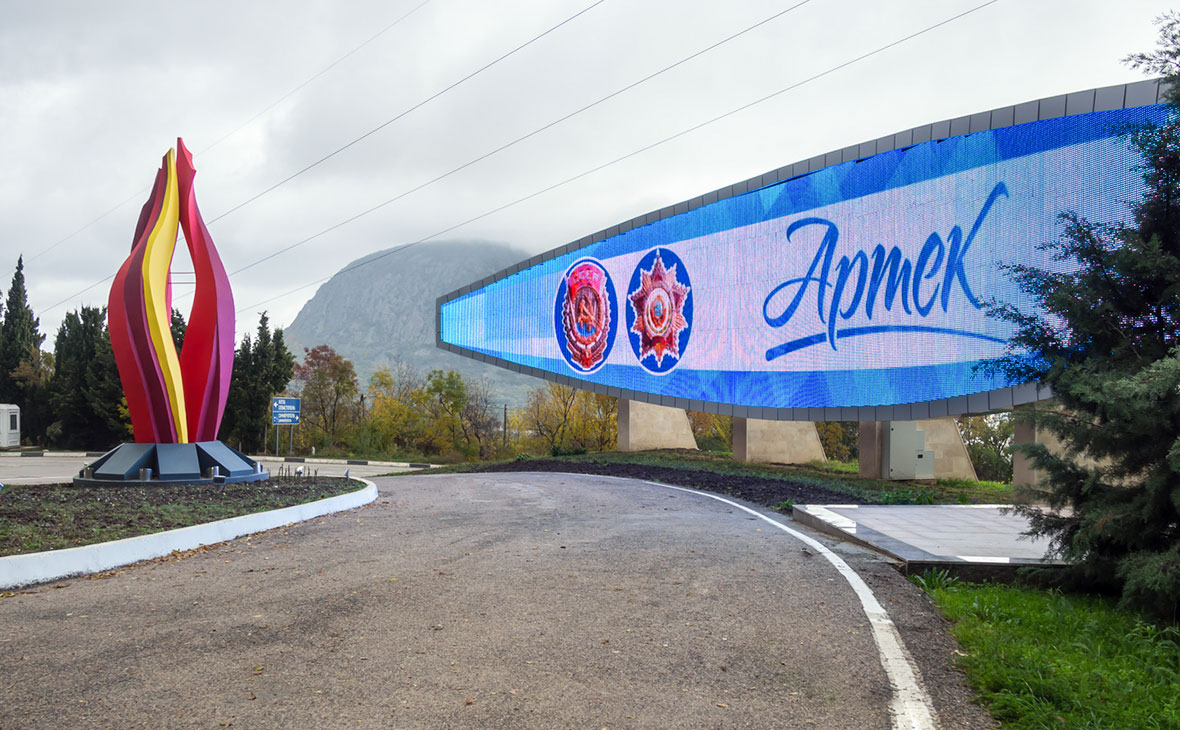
659	312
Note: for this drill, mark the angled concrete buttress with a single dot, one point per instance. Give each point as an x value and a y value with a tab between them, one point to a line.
780	442
645	426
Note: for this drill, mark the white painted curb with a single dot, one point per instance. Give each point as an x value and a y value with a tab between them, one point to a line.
20	570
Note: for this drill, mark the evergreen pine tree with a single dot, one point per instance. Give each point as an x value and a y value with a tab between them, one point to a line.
19	337
105	397
283	364
234	421
258	398
262	368
85	393
178	327
74	349
1107	339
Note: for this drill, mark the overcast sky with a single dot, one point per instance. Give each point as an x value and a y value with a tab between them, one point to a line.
93	94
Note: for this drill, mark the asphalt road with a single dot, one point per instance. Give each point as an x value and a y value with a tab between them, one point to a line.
478	601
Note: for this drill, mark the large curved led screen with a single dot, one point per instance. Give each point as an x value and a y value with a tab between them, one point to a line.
861	284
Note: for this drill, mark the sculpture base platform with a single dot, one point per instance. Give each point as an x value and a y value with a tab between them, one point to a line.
204	462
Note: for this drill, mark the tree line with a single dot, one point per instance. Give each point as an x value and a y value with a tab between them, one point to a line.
73	398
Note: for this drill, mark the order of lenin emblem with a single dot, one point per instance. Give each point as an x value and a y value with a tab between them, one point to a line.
659	318
585	315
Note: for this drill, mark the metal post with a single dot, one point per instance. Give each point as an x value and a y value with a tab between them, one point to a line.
276	440
505	437
291	441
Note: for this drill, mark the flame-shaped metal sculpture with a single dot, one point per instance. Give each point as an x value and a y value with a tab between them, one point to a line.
172	398
176	400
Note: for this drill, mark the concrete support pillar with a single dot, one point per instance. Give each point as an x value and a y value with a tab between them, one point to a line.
645	426
951	460
1023	474
870	443
779	442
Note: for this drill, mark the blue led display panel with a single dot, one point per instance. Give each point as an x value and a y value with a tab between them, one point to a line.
861	284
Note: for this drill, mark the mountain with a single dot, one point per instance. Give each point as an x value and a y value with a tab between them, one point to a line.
382	313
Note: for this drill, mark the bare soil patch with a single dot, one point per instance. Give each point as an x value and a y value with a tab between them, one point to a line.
53	516
773	493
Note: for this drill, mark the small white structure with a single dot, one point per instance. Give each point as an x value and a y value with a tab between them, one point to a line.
9	426
905	446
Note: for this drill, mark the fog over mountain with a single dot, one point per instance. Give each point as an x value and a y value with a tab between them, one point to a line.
382	313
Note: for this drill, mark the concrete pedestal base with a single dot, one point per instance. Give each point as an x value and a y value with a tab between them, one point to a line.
951	460
645	426
193	463
780	442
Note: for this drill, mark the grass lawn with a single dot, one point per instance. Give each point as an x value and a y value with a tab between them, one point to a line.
53	516
834	476
1043	659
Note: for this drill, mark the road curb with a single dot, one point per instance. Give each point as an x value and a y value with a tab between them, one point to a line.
22	570
348	462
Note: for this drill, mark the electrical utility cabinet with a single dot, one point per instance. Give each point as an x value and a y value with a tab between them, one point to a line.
9	426
905	449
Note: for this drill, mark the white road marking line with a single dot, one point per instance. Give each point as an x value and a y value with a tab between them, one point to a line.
911	707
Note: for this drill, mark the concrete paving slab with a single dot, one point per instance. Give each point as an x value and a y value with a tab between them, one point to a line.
933	535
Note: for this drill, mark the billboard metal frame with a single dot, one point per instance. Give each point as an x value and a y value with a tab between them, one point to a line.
1109	98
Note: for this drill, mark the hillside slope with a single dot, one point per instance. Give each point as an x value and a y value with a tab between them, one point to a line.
382	313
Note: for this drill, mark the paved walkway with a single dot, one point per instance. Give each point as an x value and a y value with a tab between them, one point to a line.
480	601
932	535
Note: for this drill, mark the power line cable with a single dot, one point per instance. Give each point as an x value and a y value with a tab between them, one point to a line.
629	155
518	140
299	87
134	196
402	114
362	137
323	71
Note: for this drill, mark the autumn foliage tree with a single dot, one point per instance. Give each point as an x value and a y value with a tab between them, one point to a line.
840	439
327	383
988	440
563	419
712	431
397	412
441	414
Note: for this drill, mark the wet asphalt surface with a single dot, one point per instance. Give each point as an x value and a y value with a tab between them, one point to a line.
478	601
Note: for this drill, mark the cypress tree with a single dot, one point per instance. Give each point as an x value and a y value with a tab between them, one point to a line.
104	394
178	327
18	335
85	393
282	364
233	430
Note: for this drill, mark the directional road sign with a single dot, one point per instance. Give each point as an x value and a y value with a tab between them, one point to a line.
284	411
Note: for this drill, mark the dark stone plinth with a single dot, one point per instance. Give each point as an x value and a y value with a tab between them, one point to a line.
171	464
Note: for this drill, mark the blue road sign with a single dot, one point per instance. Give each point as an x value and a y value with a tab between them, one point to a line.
284	411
